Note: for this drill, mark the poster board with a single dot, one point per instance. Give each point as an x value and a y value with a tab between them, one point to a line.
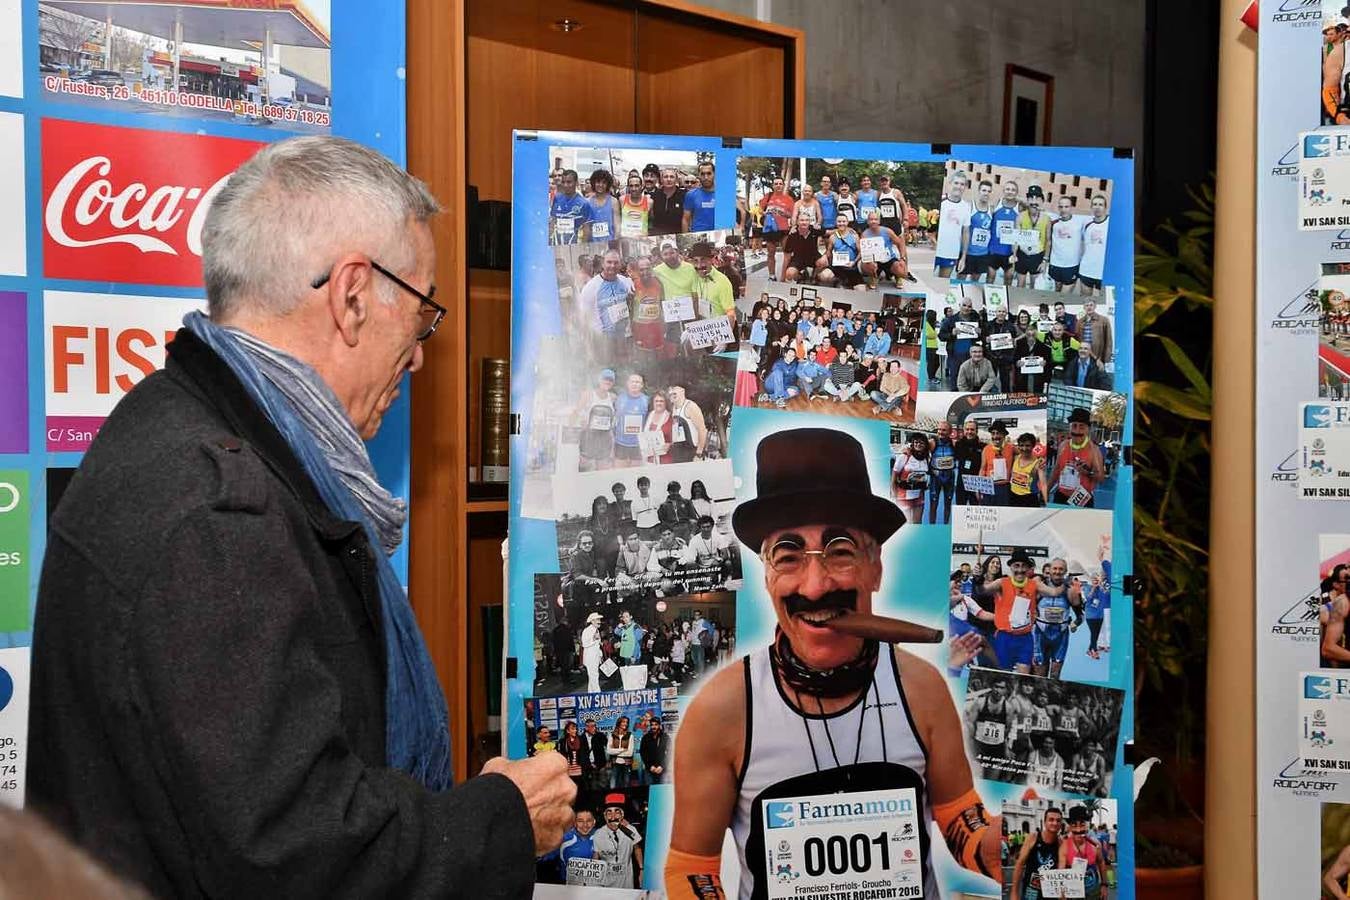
599	522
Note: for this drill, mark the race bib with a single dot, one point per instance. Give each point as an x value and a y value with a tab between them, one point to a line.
1000	341
1031	365
1068	479
677	434
632	424
1020	617
1021	479
1000	470
602	418
1044	777
888	209
1080	497
1052	615
704	308
990	732
873	249
827	845
586	872
1029	239
967	330
840	258
678	309
599	231
1042	722
610	316
979	237
631	228
565	225
1068	724
1005	231
944	463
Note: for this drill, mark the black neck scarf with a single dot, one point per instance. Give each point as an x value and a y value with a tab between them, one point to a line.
839	681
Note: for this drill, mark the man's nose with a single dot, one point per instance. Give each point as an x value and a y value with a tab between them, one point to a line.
815	580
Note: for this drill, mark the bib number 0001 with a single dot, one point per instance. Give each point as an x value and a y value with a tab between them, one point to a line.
838	854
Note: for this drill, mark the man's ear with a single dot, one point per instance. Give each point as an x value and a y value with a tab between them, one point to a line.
348	302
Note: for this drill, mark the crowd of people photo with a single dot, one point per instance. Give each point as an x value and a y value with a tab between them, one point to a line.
1333	599
1050	735
1078	839
602	205
850	359
969	349
642	645
1333	300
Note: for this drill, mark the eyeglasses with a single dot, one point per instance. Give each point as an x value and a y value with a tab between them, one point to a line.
840	556
429	310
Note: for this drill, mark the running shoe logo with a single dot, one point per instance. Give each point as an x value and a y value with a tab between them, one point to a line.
1303	611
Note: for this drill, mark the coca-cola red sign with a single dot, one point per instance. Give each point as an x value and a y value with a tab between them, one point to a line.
127	205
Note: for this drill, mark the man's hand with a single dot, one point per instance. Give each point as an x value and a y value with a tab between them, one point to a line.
962	649
548	794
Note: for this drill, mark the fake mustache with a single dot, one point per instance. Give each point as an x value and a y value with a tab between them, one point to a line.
796	603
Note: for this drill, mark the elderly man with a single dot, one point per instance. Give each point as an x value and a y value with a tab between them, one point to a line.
819	529
230	693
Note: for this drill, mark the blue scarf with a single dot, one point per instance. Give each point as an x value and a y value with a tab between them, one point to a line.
417	729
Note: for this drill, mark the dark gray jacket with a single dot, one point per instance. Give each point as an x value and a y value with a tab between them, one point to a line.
208	674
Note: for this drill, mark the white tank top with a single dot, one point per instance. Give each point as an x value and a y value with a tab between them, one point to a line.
777	746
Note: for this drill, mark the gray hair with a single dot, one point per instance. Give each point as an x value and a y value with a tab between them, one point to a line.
292	209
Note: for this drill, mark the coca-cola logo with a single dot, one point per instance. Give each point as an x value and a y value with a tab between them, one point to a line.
127	205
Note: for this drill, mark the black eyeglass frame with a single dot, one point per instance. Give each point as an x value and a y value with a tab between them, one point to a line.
424	299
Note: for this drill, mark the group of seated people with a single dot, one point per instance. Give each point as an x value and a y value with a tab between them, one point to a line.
998	354
842	255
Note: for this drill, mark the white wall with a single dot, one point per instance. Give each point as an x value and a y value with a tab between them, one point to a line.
933	70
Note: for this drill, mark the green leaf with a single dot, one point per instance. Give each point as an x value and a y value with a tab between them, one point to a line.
1181	403
1188	368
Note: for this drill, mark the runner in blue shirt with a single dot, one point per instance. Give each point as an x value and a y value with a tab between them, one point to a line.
578	842
569	212
978	235
630	415
867	201
828	201
700	206
1001	241
604	209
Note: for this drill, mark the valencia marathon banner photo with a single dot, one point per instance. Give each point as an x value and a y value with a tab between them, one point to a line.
821	515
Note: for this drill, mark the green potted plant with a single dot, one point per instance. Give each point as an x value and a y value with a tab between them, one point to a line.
1173	306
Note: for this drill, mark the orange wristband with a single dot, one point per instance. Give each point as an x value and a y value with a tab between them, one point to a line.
692	877
963	822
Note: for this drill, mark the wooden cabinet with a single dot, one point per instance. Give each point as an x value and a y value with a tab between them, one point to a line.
477	69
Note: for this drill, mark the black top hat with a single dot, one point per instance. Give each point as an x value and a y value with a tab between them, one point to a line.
812	476
1080	414
1021	556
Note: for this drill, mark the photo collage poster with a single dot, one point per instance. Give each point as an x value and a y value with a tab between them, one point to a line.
114	137
1302	472
955	315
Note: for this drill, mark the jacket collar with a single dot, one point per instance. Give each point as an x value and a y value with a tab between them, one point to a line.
191	361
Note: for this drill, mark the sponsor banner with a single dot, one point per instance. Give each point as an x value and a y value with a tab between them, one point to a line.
14	551
13	372
1324	180
1324	712
1324	451
126	204
98	347
13	724
13	240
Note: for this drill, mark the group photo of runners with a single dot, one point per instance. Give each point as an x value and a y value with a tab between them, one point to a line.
998	339
1030	590
601	194
846	223
811	351
1056	736
1024	227
1060	848
647	533
969	450
649	298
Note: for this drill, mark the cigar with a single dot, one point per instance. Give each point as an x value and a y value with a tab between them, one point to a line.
884	629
